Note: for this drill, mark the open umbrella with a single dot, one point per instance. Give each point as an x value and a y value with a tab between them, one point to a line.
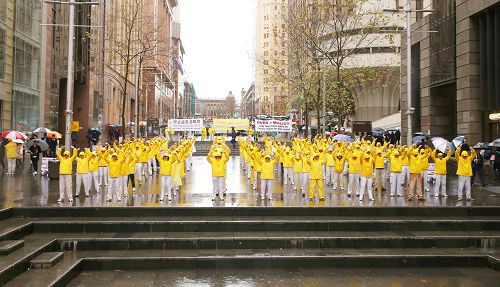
458	141
495	143
42	131
14	135
343	138
41	143
481	145
18	141
418	139
379	132
441	144
54	135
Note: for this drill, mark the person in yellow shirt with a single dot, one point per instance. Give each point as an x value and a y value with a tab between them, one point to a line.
82	173
131	170
338	174
103	153
396	168
218	161
464	171
286	159
316	177
297	168
94	171
440	161
211	133
354	173
141	153
166	162
330	169
203	134
425	154
115	164
11	155
306	171
267	177
366	176
379	168
65	172
415	174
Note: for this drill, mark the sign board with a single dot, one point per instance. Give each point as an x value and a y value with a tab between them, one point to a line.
75	126
495	117
225	125
185	125
361	127
273	126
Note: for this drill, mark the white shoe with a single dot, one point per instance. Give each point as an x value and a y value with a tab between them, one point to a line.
459	199
444	195
169	199
161	199
270	198
371	199
60	200
133	188
436	195
71	200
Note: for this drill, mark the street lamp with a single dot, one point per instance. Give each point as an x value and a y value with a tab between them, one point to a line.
410	110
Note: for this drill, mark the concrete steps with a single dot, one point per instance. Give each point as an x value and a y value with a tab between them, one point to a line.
69	241
9	246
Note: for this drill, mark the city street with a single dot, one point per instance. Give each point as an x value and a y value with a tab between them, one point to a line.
26	190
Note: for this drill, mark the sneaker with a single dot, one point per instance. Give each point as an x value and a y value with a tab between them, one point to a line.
71	200
133	188
169	199
421	199
261	198
436	195
470	199
108	200
322	199
459	199
161	199
444	195
392	195
59	200
119	199
87	195
372	199
349	195
76	195
311	199
270	198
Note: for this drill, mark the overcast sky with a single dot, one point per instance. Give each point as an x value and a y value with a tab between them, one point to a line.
218	38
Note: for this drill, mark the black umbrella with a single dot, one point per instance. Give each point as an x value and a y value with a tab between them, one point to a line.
94	133
418	139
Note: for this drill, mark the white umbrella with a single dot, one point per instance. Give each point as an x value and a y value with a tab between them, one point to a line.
458	141
342	138
495	143
18	141
42	131
441	144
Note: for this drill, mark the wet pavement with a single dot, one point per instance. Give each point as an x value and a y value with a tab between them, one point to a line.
25	190
408	277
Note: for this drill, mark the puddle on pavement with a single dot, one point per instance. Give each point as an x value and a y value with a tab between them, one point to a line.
407	277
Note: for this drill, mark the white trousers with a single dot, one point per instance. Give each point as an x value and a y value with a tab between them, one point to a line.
94	179
297	177
304	180
353	181
123	185
405	174
424	179
85	179
65	186
166	186
114	188
366	182
464	182
329	174
103	175
11	165
323	169
266	183
338	177
440	184
288	175
151	165
396	187
218	182
139	169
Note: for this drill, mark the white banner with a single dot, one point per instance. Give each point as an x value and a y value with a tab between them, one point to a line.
273	126
185	125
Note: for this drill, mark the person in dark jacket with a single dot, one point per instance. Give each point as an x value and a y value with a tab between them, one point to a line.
477	168
35	152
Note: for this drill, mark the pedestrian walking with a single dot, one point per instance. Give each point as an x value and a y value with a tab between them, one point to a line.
35	152
11	155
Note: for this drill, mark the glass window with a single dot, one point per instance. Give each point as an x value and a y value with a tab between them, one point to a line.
26	64
28	17
26	111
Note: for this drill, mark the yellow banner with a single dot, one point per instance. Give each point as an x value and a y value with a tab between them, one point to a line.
225	125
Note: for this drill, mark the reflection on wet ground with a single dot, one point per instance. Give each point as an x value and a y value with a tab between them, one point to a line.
27	190
408	277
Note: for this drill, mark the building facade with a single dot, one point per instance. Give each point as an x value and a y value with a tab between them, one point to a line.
271	57
248	105
216	108
455	71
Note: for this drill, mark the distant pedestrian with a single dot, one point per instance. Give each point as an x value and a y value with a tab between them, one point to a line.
35	152
477	168
11	155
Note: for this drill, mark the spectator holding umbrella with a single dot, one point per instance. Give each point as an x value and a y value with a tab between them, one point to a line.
477	168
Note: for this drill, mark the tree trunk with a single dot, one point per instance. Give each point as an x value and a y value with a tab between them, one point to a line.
306	115
124	100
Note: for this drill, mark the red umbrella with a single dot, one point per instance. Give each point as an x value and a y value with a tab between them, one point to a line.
14	135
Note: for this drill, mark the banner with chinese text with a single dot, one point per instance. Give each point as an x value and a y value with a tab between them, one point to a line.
273	126
185	125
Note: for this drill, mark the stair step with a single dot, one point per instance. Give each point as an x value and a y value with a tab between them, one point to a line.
46	260
9	246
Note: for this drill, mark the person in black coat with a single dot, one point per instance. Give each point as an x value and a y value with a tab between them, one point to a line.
35	152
